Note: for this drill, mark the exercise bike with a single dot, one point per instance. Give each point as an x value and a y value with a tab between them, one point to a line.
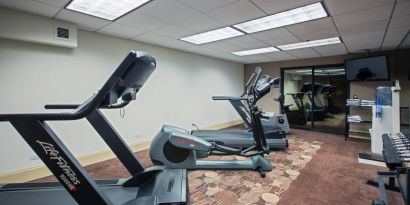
174	147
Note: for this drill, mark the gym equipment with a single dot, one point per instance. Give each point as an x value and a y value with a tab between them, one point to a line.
312	91
274	126
396	155
176	148
296	117
154	185
327	92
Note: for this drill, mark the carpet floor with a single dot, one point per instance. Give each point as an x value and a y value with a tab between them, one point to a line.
318	168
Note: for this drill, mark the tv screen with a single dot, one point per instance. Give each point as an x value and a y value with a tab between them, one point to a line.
367	69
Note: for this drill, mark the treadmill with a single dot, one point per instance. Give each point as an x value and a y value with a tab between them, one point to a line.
274	127
154	185
312	91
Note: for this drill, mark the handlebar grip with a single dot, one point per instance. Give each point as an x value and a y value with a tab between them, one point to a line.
60	106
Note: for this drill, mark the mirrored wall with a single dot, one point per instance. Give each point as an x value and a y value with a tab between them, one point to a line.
314	97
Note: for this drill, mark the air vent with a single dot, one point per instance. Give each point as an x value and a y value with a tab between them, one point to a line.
63	33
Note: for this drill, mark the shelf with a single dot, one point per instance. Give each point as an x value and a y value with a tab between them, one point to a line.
363	121
359	134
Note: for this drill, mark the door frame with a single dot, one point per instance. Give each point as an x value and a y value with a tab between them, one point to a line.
313	67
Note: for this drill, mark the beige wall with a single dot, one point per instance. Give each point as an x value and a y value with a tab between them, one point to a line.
273	69
178	93
399	62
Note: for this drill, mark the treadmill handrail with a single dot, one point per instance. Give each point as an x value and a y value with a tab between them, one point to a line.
228	98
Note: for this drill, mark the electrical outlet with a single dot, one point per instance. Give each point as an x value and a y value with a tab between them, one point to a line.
34	157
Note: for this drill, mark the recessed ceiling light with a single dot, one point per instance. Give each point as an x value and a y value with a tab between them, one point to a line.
297	15
106	9
214	35
255	51
307	44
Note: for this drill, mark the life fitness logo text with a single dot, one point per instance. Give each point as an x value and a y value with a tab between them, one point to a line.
68	176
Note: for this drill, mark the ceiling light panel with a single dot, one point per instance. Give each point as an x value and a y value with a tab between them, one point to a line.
308	44
106	9
297	15
214	35
255	51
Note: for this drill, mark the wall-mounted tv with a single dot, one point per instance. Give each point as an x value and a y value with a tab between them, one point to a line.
367	69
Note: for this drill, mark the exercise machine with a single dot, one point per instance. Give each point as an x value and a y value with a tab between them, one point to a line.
272	123
314	109
154	185
175	148
327	92
274	126
298	116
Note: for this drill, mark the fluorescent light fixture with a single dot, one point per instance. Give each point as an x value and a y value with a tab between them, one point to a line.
106	9
308	44
297	15
255	51
304	71
214	35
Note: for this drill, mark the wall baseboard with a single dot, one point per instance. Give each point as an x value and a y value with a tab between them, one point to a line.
224	125
41	171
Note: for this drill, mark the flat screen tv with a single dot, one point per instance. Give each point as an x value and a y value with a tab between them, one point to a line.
367	69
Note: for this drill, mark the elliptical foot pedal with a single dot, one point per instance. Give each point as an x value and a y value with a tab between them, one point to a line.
226	149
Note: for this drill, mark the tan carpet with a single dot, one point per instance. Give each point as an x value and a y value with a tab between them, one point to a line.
247	187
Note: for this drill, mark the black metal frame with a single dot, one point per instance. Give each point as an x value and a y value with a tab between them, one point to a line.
312	67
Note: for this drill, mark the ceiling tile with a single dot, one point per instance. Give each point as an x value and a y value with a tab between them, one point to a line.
259	58
279	36
119	30
400	22
406	43
393	38
152	38
276	6
31	7
364	28
247	42
87	22
138	20
337	7
313	30
303	53
168	10
331	50
177	44
237	12
280	55
364	16
402	9
58	3
359	42
206	5
201	23
173	31
223	46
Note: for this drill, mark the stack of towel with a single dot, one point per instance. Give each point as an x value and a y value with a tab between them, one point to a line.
354	118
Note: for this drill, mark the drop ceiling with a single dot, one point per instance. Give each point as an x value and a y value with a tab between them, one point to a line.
372	25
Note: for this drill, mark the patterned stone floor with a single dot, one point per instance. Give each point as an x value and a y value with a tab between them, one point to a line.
247	187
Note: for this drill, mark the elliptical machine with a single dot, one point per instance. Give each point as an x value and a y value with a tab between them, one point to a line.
175	148
274	126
